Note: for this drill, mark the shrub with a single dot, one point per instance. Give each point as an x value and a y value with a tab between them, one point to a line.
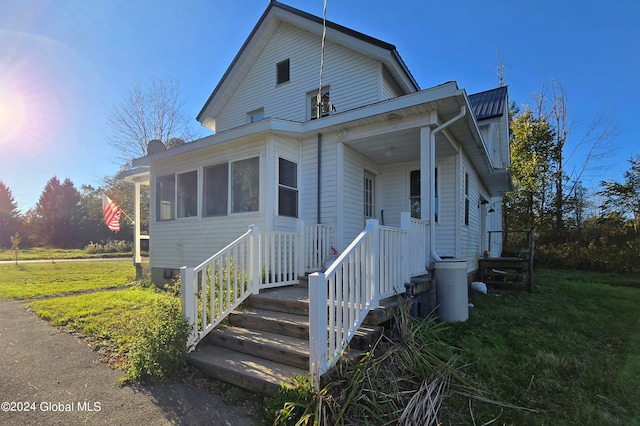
113	246
160	353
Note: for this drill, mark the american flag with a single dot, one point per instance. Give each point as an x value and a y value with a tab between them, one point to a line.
112	213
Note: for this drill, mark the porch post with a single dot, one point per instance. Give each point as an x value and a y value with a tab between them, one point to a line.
137	257
427	174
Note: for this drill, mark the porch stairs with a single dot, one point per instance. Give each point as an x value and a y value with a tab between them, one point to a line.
266	341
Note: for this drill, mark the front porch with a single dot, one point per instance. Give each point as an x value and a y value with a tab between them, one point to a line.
366	276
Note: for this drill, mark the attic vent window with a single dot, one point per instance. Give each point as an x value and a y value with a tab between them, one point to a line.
282	72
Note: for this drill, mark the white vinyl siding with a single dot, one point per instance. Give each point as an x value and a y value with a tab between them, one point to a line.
354	79
355	166
449	211
470	235
394	190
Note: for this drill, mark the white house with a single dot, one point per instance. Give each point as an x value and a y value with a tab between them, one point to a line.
309	175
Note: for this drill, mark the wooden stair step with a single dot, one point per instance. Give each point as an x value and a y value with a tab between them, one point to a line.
263	344
293	300
244	370
294	325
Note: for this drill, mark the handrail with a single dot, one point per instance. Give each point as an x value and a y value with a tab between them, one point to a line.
211	290
340	298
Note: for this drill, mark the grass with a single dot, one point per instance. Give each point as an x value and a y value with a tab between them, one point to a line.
570	350
111	319
40	253
32	280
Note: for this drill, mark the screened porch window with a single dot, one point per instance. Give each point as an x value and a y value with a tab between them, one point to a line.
216	190
287	188
188	194
245	185
165	197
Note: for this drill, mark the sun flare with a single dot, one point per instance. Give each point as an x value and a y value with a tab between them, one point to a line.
13	116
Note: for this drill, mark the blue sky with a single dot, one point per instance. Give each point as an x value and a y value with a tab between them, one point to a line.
64	64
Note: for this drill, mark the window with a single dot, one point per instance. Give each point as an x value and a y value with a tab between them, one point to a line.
245	185
287	188
255	115
325	108
282	72
466	199
216	190
414	194
165	197
368	195
435	198
188	194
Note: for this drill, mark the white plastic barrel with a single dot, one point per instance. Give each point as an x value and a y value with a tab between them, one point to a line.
451	290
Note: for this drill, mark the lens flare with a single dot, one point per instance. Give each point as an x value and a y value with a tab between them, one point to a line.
13	116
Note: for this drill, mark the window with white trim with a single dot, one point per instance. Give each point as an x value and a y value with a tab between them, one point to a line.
466	199
255	115
188	194
245	185
215	190
232	187
414	194
326	106
287	188
282	72
165	197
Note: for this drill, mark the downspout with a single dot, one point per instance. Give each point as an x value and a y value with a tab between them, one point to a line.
318	179
432	235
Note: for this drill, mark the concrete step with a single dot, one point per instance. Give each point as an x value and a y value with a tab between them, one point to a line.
243	370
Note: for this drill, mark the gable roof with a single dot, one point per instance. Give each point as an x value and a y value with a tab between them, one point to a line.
488	104
279	11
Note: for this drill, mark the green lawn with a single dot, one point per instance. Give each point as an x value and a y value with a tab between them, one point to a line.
39	253
111	319
570	350
32	280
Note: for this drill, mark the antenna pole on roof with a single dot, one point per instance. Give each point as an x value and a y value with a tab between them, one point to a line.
500	69
324	36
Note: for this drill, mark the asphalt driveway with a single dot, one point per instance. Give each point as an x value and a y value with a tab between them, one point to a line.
50	377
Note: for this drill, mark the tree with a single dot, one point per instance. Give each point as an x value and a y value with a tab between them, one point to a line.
9	216
153	112
58	214
624	198
531	145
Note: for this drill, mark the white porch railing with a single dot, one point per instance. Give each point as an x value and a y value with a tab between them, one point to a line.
316	245
211	290
341	297
376	265
279	264
418	249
